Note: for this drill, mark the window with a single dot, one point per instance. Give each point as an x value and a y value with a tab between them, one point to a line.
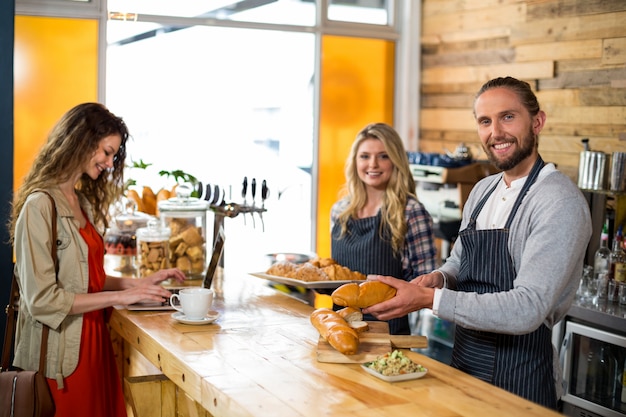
375	12
285	12
227	89
222	104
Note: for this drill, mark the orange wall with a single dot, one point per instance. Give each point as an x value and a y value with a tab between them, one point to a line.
56	67
356	89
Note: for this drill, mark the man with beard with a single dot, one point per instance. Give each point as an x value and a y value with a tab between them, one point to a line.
514	270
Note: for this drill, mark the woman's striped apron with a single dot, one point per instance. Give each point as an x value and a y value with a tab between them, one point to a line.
363	249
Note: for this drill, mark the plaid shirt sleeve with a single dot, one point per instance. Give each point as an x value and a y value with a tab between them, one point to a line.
419	246
336	210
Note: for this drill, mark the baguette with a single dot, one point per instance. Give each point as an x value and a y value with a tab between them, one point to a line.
359	326
335	330
362	295
351	314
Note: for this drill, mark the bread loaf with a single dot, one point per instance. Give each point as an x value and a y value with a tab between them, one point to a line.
149	200
307	272
362	295
359	326
337	272
282	269
163	195
335	330
318	269
322	262
351	314
134	196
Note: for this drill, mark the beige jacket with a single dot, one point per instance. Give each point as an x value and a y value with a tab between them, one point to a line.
42	299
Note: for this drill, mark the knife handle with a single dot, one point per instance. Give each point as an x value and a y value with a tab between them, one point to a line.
253	188
244	190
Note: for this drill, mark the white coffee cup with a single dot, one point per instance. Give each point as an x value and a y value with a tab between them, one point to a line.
195	303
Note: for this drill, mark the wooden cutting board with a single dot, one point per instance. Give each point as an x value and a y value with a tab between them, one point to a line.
373	343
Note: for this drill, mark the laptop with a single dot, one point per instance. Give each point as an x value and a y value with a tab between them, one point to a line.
218	250
207	281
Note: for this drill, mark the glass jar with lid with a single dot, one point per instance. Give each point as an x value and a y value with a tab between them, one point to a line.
120	240
153	248
186	217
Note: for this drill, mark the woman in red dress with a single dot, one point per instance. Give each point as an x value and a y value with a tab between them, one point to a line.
81	167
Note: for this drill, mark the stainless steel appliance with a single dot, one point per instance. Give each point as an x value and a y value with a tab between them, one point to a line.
440	334
592	358
443	185
444	205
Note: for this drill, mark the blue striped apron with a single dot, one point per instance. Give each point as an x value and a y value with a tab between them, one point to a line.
363	249
521	364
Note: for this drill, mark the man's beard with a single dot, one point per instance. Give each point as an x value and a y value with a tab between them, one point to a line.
525	149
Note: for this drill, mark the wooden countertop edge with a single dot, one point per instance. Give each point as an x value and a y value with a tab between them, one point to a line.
143	330
182	354
158	354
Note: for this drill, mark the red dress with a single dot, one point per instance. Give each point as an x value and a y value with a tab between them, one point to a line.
94	389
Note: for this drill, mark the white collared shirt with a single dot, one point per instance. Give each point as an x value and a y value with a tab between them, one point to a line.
496	212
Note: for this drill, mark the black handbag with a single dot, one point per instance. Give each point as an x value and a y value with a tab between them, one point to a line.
25	393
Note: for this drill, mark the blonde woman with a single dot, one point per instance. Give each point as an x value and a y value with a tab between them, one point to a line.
379	227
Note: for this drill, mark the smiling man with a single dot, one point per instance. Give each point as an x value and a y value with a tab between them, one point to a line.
514	270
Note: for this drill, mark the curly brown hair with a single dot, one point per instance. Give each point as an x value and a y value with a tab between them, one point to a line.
72	141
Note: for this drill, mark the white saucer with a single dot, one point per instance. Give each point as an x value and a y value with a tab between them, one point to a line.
210	318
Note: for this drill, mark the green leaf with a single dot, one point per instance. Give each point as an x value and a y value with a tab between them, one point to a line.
141	164
178	175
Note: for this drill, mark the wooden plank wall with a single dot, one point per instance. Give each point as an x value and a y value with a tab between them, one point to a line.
573	53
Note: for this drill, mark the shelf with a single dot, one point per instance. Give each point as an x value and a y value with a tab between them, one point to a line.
605	192
604	314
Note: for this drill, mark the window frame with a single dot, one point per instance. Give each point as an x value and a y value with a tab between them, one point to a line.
403	28
61	8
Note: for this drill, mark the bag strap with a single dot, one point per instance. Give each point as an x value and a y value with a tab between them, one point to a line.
12	307
9	330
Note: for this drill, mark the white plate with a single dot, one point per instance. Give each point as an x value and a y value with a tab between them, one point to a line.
394	378
299	283
210	318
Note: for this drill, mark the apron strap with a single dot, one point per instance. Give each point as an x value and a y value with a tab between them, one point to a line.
472	222
532	177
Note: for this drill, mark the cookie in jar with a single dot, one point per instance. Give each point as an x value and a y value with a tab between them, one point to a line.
185	216
152	248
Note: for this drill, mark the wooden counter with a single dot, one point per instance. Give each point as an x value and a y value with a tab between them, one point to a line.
259	359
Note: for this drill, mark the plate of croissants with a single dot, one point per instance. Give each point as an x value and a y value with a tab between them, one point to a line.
315	273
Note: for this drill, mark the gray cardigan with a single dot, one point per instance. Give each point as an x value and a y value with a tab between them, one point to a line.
547	242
